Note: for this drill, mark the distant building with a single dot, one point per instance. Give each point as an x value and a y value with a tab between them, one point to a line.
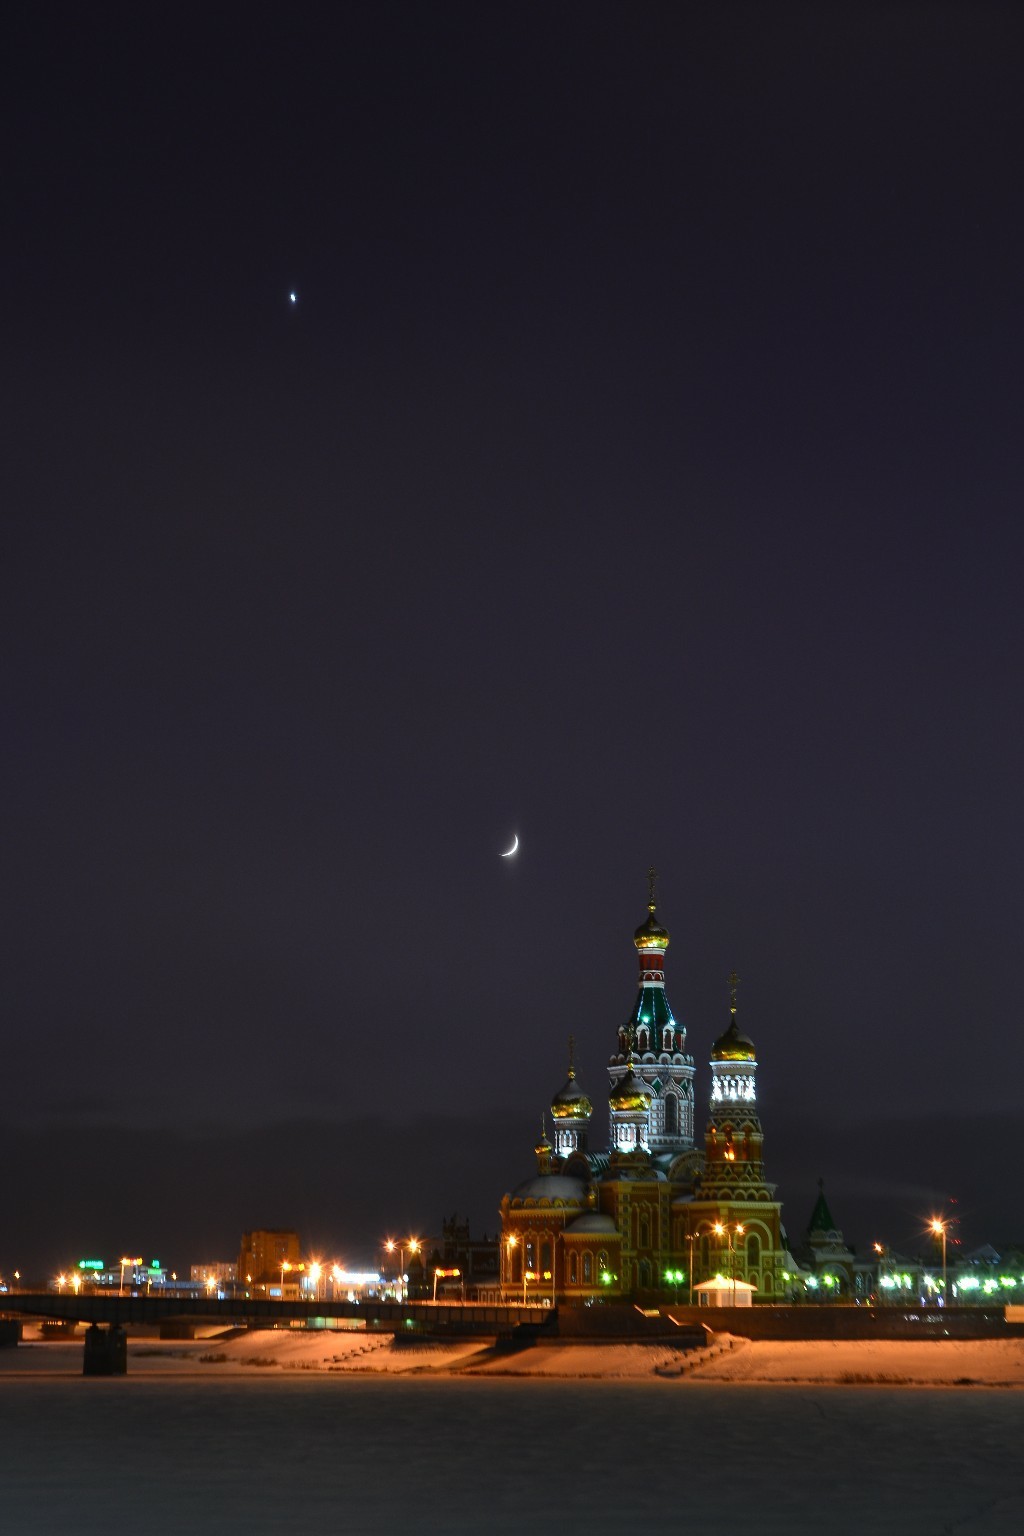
269	1255
653	1214
829	1265
471	1265
220	1273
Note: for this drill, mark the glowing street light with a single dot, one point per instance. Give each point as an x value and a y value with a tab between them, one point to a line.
939	1228
722	1228
675	1277
315	1272
412	1243
511	1244
285	1266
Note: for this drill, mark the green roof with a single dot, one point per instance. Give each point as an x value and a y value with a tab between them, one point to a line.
652	1009
822	1219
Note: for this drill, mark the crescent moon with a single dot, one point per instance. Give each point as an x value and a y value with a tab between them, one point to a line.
515	845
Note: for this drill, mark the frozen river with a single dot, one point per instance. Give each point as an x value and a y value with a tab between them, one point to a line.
362	1454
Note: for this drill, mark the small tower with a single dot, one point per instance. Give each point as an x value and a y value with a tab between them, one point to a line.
734	1224
652	1046
734	1129
542	1151
571	1111
629	1107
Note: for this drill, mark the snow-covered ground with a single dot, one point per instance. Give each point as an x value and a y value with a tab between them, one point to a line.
889	1362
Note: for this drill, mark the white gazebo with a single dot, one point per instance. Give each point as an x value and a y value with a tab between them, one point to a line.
721	1292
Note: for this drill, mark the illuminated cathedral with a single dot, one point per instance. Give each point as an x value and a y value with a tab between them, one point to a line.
654	1216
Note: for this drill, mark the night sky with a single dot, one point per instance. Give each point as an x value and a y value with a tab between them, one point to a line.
638	471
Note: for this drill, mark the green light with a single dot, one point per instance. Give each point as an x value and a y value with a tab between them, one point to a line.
155	1264
90	1264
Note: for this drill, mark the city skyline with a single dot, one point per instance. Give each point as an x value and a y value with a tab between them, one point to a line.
430	426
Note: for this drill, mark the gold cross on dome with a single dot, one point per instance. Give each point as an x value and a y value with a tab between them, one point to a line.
652	880
733	984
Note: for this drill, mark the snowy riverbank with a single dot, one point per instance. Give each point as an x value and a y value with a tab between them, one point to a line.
933	1362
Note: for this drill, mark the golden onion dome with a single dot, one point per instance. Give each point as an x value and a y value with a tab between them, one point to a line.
650	934
570	1102
732	1046
630	1095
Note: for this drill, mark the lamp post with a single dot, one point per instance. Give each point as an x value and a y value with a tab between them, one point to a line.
511	1243
939	1228
284	1266
390	1247
691	1237
879	1248
723	1229
124	1261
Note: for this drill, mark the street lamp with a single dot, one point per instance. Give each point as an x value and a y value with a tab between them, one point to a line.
939	1228
414	1249
124	1261
314	1274
391	1245
723	1229
511	1244
691	1237
284	1267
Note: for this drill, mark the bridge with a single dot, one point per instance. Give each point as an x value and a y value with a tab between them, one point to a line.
108	1315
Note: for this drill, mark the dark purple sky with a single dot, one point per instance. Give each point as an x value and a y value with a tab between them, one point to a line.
640	471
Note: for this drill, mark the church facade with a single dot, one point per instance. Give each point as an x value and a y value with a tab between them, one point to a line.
655	1214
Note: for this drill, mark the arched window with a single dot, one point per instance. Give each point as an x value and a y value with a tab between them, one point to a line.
573	1269
645	1275
671	1114
545	1256
645	1233
588	1269
753	1251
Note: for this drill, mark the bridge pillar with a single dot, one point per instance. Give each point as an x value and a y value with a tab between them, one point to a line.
106	1351
174	1328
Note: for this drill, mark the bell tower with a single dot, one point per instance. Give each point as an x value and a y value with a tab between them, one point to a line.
652	1046
735	1220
